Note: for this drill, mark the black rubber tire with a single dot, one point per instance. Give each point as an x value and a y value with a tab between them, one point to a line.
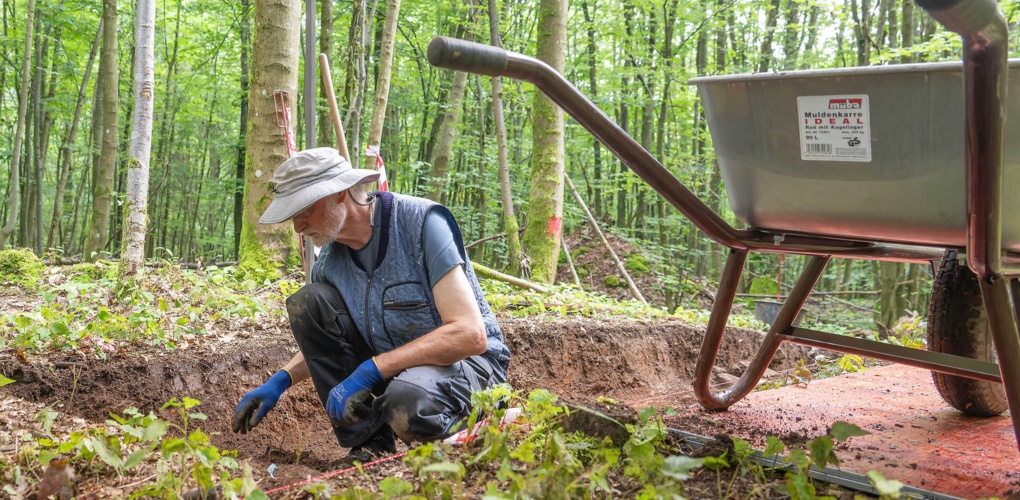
958	324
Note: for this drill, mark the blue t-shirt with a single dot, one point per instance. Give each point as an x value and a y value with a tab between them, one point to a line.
441	253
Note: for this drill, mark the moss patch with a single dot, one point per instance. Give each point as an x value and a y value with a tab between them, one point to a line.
90	273
636	263
21	267
613	280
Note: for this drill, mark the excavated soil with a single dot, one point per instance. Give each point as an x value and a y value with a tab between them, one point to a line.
579	359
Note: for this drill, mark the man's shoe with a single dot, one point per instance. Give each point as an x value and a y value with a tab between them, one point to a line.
381	444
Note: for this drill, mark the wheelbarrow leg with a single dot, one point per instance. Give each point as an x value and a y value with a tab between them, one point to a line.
1002	320
717	325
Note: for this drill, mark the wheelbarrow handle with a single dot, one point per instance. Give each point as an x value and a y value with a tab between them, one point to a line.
473	57
462	55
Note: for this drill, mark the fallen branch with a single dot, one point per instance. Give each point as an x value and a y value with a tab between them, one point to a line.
483	240
506	278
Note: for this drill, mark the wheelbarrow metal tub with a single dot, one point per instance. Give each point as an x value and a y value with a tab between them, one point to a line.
911	190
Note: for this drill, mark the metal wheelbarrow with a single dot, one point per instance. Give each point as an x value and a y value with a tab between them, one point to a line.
897	163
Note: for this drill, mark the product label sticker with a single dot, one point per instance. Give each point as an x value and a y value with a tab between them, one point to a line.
834	127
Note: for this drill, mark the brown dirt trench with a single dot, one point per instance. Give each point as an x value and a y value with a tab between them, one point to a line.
577	358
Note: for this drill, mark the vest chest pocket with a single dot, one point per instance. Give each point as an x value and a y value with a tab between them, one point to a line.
406	313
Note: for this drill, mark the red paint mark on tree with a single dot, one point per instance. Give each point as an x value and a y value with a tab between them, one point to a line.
555	223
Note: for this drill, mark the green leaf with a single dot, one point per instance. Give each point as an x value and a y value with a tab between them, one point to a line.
104	314
394	487
773	446
799	488
886	487
679	467
742	449
46	417
717	463
100	447
171	446
821	451
46	456
841	431
190	403
5	381
444	468
197	416
155	430
136	458
60	328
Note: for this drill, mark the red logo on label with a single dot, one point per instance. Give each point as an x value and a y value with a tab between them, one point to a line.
846	103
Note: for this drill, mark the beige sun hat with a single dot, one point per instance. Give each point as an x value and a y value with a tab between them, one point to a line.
309	176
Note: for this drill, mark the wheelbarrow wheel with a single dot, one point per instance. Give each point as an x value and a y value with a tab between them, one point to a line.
958	324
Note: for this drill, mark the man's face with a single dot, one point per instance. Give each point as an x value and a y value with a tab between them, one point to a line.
323	221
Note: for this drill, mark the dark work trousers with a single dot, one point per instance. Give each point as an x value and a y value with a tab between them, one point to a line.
422	403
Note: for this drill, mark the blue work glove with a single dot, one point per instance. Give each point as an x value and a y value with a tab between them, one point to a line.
346	403
259	401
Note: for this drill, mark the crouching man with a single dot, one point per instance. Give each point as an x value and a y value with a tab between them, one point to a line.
393	330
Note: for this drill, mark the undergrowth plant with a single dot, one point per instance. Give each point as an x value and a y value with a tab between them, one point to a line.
83	308
135	444
533	457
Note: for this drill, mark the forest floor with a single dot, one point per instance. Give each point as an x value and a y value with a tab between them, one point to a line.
577	358
617	365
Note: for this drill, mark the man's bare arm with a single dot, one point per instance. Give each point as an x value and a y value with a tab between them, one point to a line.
297	369
461	336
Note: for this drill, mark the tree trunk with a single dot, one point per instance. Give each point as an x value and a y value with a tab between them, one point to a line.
592	94
510	225
239	171
448	130
908	30
65	149
891	300
660	137
102	187
382	86
132	259
274	67
862	28
545	212
765	54
33	172
791	35
812	37
19	134
324	128
892	27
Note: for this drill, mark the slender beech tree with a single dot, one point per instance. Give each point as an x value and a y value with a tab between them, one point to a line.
72	134
545	213
274	66
448	130
239	173
132	258
325	137
19	134
102	184
908	30
382	85
510	225
765	54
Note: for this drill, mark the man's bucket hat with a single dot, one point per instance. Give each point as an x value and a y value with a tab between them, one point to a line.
309	176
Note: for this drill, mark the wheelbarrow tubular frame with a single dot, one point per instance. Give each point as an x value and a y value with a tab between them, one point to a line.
985	33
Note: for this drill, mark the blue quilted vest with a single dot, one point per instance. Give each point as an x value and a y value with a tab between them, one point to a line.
397	306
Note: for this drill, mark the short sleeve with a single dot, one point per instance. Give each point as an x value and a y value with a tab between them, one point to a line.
441	253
